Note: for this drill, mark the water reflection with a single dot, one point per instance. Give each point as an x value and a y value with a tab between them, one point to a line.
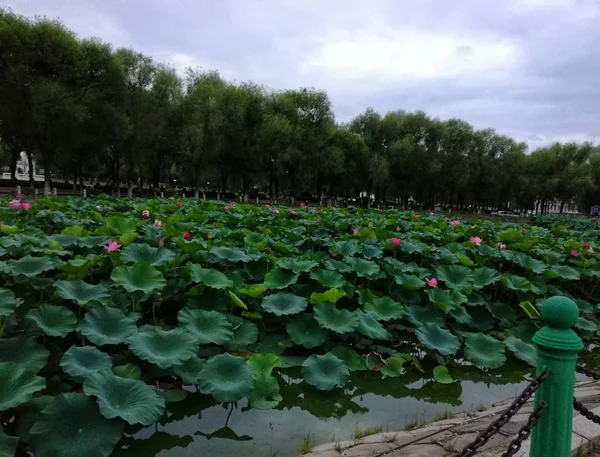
199	425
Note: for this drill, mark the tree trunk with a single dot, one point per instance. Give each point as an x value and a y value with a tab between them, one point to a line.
129	188
14	158
562	206
31	168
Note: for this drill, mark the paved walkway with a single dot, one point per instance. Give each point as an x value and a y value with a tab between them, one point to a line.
448	437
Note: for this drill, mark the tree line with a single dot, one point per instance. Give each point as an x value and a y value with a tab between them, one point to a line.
82	109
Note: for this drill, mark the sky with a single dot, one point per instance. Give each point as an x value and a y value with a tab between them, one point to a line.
528	68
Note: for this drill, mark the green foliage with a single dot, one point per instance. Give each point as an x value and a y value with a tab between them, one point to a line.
258	304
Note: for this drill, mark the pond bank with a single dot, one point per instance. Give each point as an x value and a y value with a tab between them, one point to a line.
448	437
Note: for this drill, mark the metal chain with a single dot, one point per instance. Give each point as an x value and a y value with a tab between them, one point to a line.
503	419
585	412
589	373
525	431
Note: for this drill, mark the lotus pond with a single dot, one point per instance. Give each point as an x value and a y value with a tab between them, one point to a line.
133	327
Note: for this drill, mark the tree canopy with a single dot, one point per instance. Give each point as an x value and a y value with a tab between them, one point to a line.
84	110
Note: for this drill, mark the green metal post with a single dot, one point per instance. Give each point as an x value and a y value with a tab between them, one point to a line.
557	346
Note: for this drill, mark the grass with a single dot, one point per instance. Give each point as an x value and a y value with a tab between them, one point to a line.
307	445
337	445
481	407
443	415
362	432
417	421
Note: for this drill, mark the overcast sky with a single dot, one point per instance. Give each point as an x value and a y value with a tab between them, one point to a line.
528	68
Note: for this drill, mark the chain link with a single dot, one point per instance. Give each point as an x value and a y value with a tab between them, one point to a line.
525	431
503	419
585	412
589	373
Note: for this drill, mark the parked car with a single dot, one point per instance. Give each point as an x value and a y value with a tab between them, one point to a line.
505	214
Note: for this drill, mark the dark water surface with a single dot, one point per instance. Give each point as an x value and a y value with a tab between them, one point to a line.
198	426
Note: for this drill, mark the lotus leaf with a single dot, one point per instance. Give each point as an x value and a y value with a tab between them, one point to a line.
419	315
244	334
81	292
284	304
325	372
17	385
190	370
106	325
522	350
8	445
442	375
29	266
265	394
23	351
141	277
84	361
393	367
363	268
227	378
209	277
280	279
346	247
72	426
306	331
385	309
455	276
514	282
53	320
164	348
297	265
351	358
485	351
207	326
145	253
338	265
435	337
8	302
409	282
133	401
369	327
233	255
128	371
331	296
484	277
337	320
563	272
328	278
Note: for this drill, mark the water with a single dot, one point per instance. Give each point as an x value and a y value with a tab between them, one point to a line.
198	426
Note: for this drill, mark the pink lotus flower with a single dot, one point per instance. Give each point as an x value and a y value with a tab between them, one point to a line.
161	243
145	214
158	222
26	206
585	245
432	282
112	246
455	222
15	204
501	245
226	207
179	204
276	211
20	195
574	253
591	250
187	235
524	232
475	240
292	212
232	203
356	231
396	241
268	206
415	217
301	204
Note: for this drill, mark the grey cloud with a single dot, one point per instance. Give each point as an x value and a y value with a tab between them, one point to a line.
547	91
